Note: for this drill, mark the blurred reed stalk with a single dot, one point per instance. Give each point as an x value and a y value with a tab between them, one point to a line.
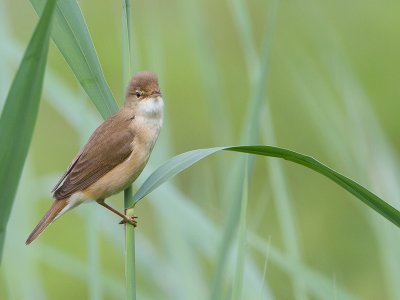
127	65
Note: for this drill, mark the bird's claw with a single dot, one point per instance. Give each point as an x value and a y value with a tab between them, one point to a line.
130	220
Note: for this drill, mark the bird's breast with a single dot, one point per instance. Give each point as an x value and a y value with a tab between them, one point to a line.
145	126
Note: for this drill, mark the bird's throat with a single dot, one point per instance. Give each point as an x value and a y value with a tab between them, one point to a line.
151	108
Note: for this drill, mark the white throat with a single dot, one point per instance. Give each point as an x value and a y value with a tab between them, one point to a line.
149	114
151	108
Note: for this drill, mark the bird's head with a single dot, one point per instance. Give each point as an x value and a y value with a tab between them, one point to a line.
143	86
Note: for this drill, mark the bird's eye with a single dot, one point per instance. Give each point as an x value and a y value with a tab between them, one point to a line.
138	94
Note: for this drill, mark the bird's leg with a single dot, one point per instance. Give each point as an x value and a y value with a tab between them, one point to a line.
126	219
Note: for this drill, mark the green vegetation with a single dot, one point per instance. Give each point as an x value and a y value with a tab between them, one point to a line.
19	113
235	226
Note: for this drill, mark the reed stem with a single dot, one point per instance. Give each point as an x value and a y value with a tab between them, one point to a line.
127	57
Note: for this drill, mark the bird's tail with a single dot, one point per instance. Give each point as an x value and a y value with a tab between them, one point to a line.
49	217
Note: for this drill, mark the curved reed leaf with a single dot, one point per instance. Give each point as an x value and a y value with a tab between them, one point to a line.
183	161
18	117
72	38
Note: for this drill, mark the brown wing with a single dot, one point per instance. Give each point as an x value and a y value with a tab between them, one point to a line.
108	146
71	166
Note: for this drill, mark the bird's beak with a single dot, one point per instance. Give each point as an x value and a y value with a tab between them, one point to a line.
156	93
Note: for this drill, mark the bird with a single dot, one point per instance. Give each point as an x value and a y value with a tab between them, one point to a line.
115	154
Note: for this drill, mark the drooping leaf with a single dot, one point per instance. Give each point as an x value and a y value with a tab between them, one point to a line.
18	117
183	161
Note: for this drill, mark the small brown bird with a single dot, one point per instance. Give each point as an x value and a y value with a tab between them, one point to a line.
115	154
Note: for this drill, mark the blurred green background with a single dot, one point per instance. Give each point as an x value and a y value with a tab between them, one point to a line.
332	92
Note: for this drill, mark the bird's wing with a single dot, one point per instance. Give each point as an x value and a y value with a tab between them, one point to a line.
71	166
109	146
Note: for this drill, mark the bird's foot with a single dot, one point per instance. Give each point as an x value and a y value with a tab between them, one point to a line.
130	220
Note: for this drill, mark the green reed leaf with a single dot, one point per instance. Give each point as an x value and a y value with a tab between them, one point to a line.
19	114
72	37
183	161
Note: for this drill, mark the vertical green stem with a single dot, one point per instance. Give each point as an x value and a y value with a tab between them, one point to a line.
127	41
238	278
130	274
127	61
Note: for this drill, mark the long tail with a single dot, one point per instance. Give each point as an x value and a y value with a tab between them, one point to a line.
49	217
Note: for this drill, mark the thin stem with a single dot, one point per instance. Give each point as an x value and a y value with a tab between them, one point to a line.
130	269
127	55
238	278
